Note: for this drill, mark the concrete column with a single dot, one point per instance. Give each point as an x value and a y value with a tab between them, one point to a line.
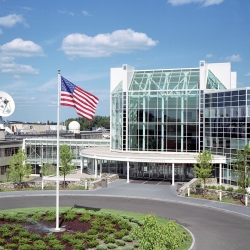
100	168
172	174
246	200
162	124
127	171
144	125
81	164
188	191
220	174
96	168
182	123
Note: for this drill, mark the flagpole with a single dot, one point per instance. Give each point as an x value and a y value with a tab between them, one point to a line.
58	152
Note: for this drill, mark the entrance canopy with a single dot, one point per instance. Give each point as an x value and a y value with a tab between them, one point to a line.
104	153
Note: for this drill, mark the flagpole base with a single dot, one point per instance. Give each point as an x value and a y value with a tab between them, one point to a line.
57	230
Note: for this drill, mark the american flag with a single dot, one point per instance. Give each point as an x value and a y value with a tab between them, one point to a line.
75	97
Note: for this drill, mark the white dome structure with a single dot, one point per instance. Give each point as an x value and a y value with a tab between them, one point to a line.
74	127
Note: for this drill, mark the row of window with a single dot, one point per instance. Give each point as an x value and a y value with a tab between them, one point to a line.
5	152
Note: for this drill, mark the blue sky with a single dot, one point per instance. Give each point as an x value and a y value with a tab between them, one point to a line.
87	38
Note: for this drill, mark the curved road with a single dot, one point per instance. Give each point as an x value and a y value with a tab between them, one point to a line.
211	227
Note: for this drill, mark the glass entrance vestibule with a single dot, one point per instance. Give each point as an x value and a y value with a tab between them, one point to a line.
141	170
168	166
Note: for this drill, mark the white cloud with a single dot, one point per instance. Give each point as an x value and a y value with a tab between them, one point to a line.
17	69
234	58
205	3
248	74
104	45
212	2
66	12
209	55
85	13
8	65
11	20
19	47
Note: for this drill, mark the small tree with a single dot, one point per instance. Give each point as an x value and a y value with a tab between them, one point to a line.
204	167
152	236
19	167
241	165
48	169
66	165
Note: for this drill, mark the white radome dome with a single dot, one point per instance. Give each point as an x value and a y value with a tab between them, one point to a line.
74	126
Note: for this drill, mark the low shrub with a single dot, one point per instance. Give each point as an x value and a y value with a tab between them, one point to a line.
85	217
91	232
109	230
70	216
67	237
58	247
37	216
128	248
128	238
7	234
49	237
230	189
120	242
109	240
2	242
24	234
111	246
80	235
54	242
137	245
102	236
101	247
123	224
35	237
11	246
25	247
15	239
23	241
93	243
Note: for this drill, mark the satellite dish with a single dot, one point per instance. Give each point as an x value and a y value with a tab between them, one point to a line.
7	107
7	104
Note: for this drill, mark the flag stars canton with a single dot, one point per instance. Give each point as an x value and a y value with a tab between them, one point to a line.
67	86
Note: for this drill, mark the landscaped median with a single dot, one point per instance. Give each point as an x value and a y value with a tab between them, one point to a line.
49	183
213	191
98	229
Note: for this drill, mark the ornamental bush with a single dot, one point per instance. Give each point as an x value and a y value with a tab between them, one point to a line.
112	246
120	242
11	246
70	216
85	218
25	247
109	240
101	247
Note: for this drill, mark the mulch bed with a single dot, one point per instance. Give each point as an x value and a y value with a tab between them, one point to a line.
44	228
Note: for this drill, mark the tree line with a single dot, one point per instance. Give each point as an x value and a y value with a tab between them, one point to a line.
86	125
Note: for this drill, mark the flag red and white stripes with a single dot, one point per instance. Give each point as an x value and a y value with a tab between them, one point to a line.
75	97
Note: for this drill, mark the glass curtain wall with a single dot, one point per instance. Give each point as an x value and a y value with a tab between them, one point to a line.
227	125
117	112
163	111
